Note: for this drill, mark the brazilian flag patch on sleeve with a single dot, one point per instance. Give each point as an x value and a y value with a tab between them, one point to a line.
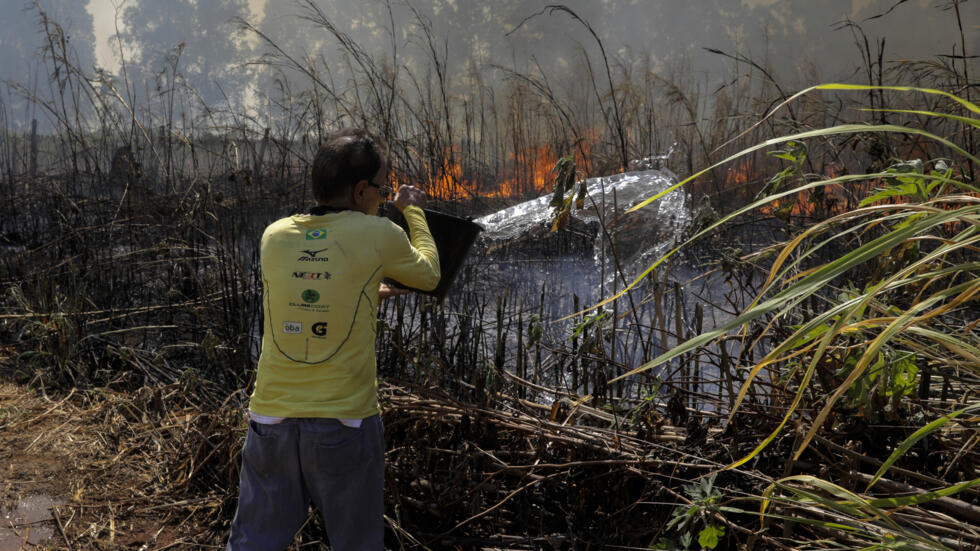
320	233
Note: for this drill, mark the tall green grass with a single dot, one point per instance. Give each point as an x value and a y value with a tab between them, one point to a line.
847	337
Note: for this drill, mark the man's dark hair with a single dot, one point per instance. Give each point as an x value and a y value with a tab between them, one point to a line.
343	159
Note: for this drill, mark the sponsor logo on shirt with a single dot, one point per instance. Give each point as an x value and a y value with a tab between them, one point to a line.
319	233
322	276
308	307
310	302
320	329
311	256
292	327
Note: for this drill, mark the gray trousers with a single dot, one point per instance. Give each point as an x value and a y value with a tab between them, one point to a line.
287	465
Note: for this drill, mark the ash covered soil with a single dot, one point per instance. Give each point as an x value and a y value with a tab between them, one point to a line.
146	470
75	460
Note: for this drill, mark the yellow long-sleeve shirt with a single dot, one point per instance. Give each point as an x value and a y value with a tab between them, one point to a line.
320	277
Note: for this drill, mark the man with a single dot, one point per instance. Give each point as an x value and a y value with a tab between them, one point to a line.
314	431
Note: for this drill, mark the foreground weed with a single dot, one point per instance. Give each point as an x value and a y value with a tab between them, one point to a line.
694	521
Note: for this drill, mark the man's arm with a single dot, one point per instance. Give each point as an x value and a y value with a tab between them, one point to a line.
413	263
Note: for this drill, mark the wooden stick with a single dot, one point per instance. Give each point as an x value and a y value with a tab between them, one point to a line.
61	527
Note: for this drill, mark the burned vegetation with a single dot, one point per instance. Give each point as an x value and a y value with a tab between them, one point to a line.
797	368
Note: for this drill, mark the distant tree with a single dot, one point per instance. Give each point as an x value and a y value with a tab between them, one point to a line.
191	41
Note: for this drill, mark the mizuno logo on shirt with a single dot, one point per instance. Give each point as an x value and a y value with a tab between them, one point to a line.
311	256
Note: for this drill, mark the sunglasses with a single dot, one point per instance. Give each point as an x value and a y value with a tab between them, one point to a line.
385	191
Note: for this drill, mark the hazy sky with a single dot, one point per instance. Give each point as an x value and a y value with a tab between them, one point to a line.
796	37
795	27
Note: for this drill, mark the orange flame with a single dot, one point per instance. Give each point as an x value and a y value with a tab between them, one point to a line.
827	199
525	173
528	173
737	175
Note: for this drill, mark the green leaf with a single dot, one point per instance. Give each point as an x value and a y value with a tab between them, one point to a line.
925	497
903	372
710	537
964	120
809	336
865	88
589	322
900	190
916	436
899	324
876	369
962	348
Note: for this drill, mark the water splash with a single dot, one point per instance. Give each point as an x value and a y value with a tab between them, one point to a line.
553	275
652	162
643	235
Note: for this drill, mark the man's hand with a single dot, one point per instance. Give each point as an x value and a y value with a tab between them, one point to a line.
409	196
385	291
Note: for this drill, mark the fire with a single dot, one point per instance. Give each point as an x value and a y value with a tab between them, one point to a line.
447	182
815	202
801	204
738	175
525	173
443	181
529	173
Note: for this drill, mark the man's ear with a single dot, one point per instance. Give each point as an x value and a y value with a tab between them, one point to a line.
358	190
357	193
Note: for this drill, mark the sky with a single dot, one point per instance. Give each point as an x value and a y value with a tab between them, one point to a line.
914	28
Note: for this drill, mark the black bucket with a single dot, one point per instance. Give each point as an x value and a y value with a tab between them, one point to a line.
454	236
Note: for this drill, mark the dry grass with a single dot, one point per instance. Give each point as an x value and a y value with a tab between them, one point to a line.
113	459
146	470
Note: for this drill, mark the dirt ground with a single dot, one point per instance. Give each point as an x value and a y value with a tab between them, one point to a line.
145	470
90	455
